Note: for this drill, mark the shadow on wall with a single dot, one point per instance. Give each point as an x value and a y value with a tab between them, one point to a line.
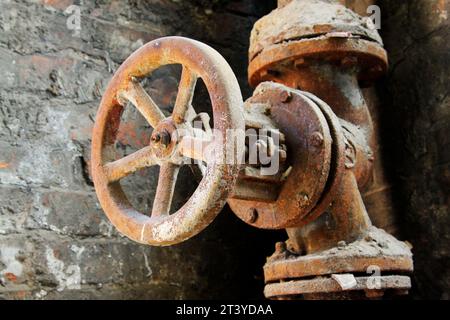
415	132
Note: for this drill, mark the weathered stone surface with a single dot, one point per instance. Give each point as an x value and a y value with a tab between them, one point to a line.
16	272
68	213
16	204
55	241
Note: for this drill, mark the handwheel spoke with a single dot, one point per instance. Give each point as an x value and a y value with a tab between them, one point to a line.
185	94
143	102
121	168
195	147
168	173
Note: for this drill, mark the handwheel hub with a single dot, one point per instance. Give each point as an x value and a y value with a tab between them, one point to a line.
164	139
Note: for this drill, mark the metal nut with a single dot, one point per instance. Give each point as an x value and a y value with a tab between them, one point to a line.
165	138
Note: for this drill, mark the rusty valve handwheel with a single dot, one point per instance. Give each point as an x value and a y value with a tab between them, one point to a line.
168	148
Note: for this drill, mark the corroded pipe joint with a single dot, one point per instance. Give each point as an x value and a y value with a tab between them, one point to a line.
321	47
310	45
327	51
302	31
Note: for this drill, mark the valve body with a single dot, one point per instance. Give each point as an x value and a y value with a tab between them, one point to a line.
322	53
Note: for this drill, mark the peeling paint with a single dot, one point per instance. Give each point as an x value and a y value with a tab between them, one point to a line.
78	251
68	278
8	258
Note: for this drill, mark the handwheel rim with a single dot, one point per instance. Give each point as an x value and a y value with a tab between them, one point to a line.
212	191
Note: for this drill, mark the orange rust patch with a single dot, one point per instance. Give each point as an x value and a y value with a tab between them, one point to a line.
4	165
11	276
57	4
441	5
128	134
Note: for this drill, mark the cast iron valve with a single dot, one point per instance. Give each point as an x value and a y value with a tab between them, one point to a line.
307	167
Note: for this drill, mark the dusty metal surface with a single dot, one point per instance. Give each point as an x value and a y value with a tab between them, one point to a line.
160	228
400	284
378	255
301	19
328	51
375	248
308	141
302	32
341	51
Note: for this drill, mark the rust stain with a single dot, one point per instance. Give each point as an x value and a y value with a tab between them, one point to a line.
57	4
442	10
130	134
11	276
442	5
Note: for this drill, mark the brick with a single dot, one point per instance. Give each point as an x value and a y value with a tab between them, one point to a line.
69	213
68	264
40	164
15	264
98	38
15	205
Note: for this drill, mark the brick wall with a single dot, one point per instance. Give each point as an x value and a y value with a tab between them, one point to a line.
55	241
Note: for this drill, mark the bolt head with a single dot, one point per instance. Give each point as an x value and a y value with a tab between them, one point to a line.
156	137
342	244
316	139
285	96
299	62
253	215
165	138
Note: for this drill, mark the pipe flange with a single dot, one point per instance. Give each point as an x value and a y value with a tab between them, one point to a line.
369	57
304	32
329	288
300	19
309	141
376	254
